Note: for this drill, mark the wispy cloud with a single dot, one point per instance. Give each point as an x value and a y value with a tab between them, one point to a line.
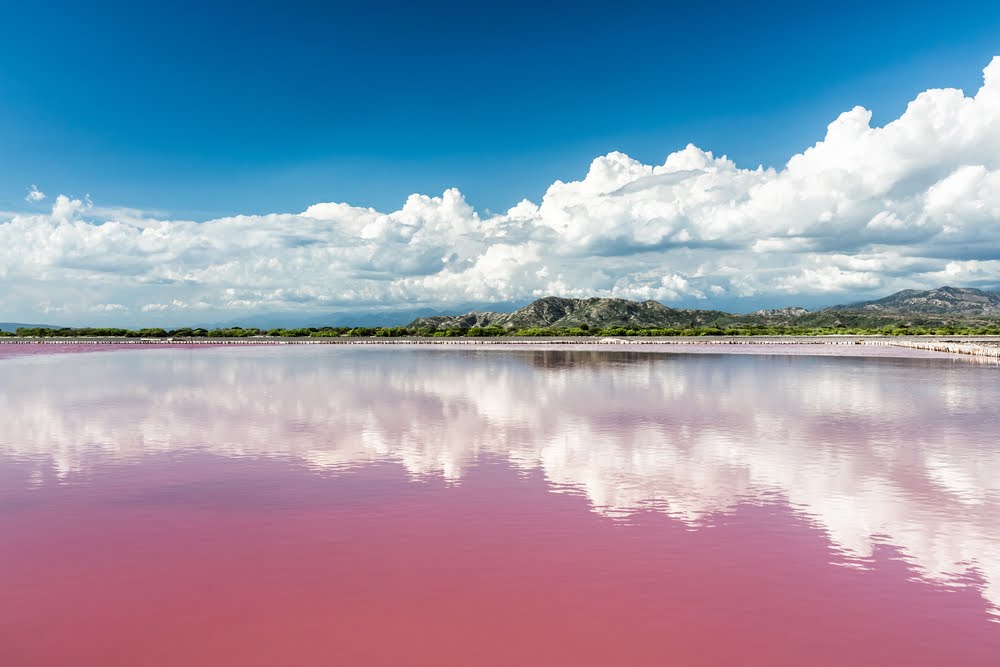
34	195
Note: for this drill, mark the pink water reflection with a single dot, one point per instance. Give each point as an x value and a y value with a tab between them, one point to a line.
8	350
313	506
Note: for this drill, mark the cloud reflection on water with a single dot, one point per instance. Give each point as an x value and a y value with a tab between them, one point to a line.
874	451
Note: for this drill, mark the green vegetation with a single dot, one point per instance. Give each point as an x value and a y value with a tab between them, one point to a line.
945	311
496	331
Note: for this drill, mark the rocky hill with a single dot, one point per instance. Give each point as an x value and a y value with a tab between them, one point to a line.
553	311
782	313
941	301
941	306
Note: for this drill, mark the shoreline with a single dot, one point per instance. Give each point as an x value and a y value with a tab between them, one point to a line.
988	347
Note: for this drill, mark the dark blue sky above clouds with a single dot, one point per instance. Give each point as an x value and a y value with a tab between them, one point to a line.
205	109
177	163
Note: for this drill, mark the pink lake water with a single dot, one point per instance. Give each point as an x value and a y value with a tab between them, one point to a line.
328	505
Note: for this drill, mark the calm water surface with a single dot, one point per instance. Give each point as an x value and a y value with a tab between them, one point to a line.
423	506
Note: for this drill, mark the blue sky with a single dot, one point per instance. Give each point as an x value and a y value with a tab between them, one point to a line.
203	111
236	161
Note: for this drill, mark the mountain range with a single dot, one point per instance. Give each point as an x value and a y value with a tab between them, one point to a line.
937	307
940	301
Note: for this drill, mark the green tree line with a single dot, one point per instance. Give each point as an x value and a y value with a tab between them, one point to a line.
495	331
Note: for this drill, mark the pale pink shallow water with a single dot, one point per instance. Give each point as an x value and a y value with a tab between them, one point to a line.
380	506
36	349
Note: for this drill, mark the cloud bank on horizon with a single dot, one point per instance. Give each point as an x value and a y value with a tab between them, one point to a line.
915	203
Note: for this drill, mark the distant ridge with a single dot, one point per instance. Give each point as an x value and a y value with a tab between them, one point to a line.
943	300
941	306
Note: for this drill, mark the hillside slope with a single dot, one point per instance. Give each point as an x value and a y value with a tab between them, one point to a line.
937	307
598	313
941	301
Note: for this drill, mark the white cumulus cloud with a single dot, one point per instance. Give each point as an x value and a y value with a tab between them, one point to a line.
866	210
